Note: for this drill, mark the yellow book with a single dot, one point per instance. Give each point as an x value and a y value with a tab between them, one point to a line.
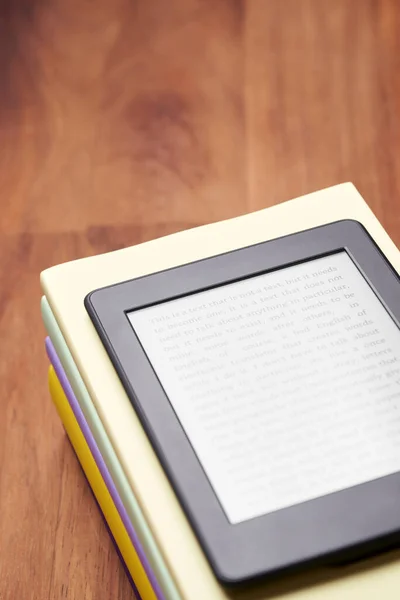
99	488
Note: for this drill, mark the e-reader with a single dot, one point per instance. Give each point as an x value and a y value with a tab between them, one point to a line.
268	382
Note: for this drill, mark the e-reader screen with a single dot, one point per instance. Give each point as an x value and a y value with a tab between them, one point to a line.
287	384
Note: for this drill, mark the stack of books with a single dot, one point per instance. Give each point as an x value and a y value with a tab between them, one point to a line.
162	554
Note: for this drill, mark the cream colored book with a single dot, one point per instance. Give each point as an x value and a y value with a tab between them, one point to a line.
66	286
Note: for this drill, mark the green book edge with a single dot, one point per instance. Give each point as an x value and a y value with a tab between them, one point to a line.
121	483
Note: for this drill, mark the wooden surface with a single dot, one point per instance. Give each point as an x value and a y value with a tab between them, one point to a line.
124	120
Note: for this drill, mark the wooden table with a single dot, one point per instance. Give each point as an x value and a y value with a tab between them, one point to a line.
124	120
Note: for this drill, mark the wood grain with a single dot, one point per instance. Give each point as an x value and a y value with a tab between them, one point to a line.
122	121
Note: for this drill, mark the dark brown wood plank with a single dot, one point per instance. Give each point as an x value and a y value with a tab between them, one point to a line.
121	112
322	90
53	541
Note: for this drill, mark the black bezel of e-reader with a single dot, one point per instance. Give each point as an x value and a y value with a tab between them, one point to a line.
322	531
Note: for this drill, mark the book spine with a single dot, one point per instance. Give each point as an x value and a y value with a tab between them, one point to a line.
133	564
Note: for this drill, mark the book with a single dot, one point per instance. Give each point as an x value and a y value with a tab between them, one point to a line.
65	288
100	481
77	390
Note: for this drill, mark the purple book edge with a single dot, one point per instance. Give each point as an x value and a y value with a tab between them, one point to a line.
76	409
